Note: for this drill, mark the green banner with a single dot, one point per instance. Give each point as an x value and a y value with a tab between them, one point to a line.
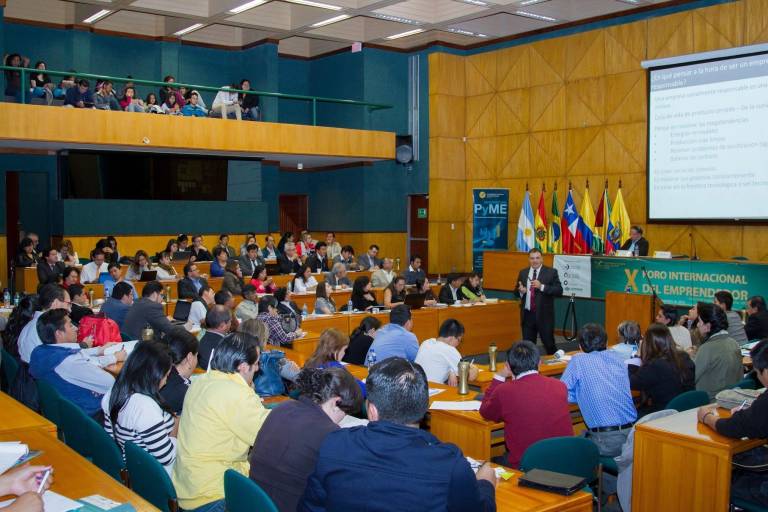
681	282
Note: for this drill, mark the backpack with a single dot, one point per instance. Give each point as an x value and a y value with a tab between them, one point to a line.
103	330
268	381
23	387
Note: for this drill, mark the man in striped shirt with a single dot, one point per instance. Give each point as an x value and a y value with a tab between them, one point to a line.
269	315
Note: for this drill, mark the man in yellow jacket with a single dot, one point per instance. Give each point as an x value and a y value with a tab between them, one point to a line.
221	417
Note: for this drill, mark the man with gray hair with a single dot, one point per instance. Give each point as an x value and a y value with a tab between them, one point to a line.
629	340
338	276
289	262
382	277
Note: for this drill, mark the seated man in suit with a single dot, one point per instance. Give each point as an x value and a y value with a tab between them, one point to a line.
636	244
80	304
347	257
148	310
382	277
421	472
218	321
199	252
369	260
757	321
338	276
250	260
319	261
450	292
49	268
189	287
415	273
289	262
117	306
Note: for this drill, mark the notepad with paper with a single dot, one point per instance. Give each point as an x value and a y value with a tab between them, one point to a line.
127	345
468	405
52	502
10	453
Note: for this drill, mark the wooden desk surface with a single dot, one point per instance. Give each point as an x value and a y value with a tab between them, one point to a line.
510	497
553	369
18	417
74	476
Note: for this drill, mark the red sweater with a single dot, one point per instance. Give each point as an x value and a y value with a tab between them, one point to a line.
532	408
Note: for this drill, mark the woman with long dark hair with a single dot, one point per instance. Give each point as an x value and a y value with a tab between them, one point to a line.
287	237
140	264
20	316
394	294
360	340
324	304
362	298
133	408
303	281
183	347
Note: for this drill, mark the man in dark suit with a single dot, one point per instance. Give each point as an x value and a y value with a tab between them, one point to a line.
148	310
450	293
218	321
636	244
49	268
250	260
289	262
538	286
189	286
370	260
318	262
757	321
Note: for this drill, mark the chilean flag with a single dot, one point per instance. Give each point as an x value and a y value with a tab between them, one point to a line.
573	239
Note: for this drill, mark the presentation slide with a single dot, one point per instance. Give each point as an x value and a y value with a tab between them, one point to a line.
708	140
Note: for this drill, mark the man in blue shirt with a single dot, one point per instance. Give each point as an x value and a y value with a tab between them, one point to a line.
79	96
189	287
395	339
392	464
112	278
193	108
118	304
598	382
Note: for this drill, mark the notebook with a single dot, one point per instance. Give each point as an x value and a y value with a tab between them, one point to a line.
550	481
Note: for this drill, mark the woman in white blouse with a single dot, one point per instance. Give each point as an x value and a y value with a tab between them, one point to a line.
140	264
133	409
304	281
199	308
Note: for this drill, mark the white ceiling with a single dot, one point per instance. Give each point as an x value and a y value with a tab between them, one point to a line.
462	22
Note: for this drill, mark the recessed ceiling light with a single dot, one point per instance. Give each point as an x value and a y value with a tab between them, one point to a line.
330	20
466	32
631	2
317	4
96	17
405	34
397	19
531	2
481	3
246	6
535	16
187	30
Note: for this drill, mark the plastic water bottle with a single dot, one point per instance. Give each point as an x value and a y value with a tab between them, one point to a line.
371	359
7	298
628	289
304	312
349	307
17	299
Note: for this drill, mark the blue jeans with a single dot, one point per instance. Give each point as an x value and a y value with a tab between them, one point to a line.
214	506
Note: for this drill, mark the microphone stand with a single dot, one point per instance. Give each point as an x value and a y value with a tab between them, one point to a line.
694	256
570	313
656	299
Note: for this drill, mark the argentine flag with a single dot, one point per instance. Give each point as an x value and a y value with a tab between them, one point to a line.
526	240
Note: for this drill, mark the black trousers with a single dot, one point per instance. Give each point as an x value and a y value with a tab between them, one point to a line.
533	328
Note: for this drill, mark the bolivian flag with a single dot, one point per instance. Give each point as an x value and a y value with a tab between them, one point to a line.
540	226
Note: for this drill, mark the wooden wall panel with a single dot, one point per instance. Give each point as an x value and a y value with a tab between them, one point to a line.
446	158
719	26
756	21
670	35
446	75
446	116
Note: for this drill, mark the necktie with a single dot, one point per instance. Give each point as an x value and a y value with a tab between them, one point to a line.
533	291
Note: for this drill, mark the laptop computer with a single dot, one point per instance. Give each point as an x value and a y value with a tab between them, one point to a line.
104	277
415	300
181	255
148	275
181	313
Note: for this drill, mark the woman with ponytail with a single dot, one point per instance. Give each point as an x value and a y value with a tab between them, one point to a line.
286	448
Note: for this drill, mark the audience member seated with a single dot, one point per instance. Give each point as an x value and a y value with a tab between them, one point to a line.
19	317
218	322
80	306
533	407
269	315
289	262
148	310
347	257
287	307
369	260
134	410
360	340
171	106
67	254
668	315
303	281
306	245
200	307
65	83
13	77
151	106
334	247
414	272
60	362
233	278
35	243
219	263
395	339
224	244
226	299
270	252
337	277
394	294
190	285
113	277
80	96
140	264
50	296
250	260
40	84
724	300
450	292
262	282
757	319
183	243
362	298
752	423
117	305
422	470
70	276
666	371
326	397
324	304
287	237
199	252
109	246
169	90
273	365
225	104
192	108
319	260
382	277
97	266
330	351
471	289
249	306
629	339
439	356
718	359
26	257
105	97
130	102
221	418
25	483
423	287
165	270
49	268
250	239
598	382
249	103
183	347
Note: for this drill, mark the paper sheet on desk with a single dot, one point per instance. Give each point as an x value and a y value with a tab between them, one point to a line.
10	453
500	471
127	345
469	405
433	391
52	502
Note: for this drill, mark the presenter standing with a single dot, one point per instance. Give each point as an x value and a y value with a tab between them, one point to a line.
636	244
538	286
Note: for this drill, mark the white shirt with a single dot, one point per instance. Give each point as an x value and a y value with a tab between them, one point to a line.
528	285
299	286
197	314
91	273
164	275
438	359
28	338
682	336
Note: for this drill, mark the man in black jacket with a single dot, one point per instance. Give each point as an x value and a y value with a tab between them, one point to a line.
189	287
148	310
636	244
318	262
538	286
289	262
757	321
49	268
217	321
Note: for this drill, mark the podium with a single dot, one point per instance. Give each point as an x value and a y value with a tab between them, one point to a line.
620	306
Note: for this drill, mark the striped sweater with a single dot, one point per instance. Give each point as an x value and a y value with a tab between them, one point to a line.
144	423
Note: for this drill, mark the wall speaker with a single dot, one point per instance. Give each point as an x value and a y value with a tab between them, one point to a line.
404	149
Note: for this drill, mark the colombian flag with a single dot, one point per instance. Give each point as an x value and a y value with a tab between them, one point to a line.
540	225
